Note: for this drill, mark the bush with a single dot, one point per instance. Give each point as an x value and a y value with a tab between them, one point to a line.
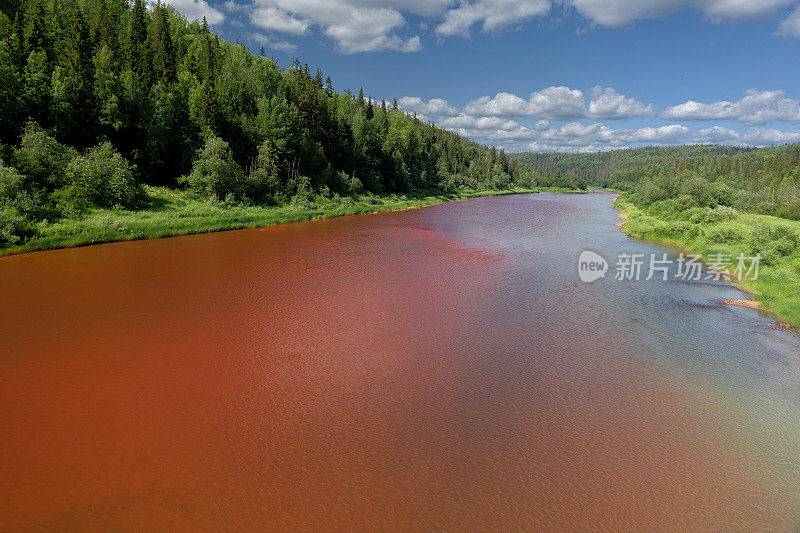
695	215
215	175
264	183
42	158
104	178
773	240
720	214
793	210
13	225
724	235
11	182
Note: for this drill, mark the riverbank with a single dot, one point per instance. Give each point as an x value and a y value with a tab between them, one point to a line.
710	232
173	212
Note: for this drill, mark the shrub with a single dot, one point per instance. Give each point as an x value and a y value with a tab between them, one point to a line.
215	174
720	214
13	225
42	158
264	183
793	210
11	182
104	178
695	215
773	240
680	227
724	235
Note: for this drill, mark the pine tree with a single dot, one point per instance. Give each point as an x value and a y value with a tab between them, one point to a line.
75	51
361	100
394	105
105	31
161	49
136	45
35	28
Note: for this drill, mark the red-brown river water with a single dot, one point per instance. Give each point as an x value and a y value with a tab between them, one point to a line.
434	369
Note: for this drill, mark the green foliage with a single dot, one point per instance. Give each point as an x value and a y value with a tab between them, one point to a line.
215	174
11	183
13	226
103	178
41	158
724	235
145	95
264	183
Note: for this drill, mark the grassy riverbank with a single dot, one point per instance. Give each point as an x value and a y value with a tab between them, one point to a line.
706	232
173	212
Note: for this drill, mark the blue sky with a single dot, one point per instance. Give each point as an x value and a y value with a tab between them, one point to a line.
549	75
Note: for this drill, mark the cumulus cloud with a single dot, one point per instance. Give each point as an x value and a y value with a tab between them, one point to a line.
790	26
197	9
435	106
619	13
758	107
354	25
608	103
371	25
479	123
492	15
272	18
274	44
561	103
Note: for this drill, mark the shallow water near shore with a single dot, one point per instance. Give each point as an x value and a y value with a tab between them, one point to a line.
442	368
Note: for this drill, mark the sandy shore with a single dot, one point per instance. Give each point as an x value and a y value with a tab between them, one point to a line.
744	303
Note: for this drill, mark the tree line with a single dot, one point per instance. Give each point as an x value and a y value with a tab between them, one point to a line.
673	179
102	96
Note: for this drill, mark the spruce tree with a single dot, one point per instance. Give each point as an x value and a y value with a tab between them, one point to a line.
161	49
136	45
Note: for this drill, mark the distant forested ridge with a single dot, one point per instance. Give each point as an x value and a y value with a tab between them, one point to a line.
764	181
100	97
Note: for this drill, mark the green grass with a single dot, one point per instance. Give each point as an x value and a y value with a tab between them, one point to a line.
564	190
172	212
778	283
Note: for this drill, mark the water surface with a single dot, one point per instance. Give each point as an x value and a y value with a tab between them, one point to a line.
441	368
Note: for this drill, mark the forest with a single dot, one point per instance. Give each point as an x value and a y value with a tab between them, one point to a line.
104	100
764	181
715	201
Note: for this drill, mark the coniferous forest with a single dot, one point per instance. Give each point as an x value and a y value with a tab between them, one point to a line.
103	99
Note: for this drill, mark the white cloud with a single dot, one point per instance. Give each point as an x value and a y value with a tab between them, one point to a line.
758	107
608	103
354	25
753	137
560	103
274	44
371	25
479	123
197	9
435	106
766	137
232	6
272	18
716	134
493	15
790	26
577	134
618	13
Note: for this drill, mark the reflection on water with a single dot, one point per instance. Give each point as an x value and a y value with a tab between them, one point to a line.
441	368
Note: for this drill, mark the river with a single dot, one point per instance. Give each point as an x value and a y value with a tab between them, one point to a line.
432	369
